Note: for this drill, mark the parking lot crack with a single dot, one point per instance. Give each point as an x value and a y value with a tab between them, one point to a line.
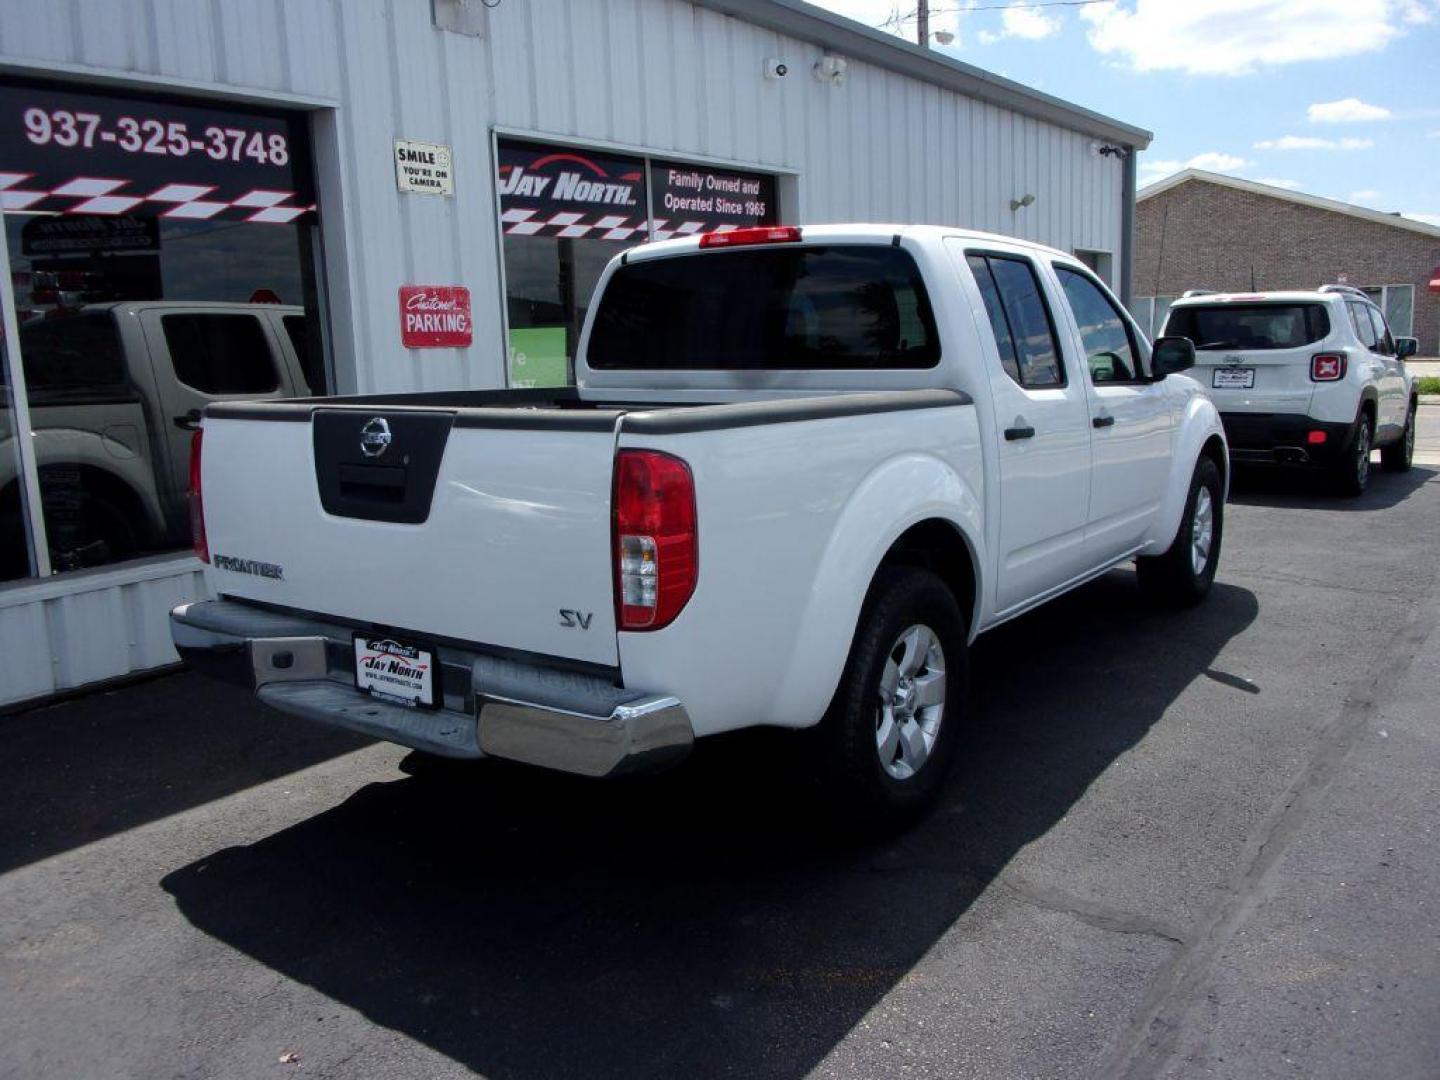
1150	1040
1101	916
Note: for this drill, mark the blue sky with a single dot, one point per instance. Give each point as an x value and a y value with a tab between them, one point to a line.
1339	98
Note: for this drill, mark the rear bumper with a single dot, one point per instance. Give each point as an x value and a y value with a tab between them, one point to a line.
1283	439
492	707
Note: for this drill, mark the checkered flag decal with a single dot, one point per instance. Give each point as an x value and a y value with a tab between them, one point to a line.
101	195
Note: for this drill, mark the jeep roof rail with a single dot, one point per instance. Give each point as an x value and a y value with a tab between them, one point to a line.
1197	292
1350	289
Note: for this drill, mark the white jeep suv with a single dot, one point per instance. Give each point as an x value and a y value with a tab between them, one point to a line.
1304	378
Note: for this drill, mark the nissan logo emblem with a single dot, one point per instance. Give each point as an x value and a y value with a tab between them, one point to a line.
375	437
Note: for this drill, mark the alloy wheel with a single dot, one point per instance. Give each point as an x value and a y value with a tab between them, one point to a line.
912	702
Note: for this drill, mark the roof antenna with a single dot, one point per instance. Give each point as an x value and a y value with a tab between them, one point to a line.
1252	278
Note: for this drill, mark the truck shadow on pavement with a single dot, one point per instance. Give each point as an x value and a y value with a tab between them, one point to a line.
701	923
1301	490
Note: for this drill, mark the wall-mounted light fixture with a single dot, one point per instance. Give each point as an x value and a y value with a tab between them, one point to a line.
831	69
1022	202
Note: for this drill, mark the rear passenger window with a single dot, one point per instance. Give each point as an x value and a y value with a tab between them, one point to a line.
1364	329
1385	343
220	354
1110	350
1020	319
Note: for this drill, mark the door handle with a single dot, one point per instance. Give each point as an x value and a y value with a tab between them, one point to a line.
1103	421
1014	434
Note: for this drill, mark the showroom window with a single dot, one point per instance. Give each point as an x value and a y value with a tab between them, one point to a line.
566	211
161	255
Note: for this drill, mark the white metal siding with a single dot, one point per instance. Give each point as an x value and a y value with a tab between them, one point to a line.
66	632
662	76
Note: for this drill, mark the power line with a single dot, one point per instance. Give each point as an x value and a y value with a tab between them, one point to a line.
896	20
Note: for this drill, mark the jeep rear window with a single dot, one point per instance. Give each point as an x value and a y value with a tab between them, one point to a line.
832	307
1250	326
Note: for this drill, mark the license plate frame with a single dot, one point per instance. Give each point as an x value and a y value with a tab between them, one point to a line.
395	682
1242	378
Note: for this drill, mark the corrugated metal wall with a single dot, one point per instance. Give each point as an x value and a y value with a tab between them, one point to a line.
656	75
662	75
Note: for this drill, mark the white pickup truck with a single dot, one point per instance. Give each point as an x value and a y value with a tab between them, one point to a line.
801	471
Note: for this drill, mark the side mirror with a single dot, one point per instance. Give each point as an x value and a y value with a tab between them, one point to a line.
1406	346
1171	355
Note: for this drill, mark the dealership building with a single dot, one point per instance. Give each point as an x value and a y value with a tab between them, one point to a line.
267	198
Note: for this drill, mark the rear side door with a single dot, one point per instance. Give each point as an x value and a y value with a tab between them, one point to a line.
1371	364
1043	425
200	356
1394	405
1130	422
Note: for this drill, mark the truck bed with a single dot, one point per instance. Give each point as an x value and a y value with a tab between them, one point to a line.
486	516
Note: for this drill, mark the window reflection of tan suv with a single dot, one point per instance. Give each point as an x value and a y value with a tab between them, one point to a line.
1304	378
112	389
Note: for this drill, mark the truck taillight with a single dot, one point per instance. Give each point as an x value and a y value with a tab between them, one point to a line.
753	234
197	502
656	543
1327	367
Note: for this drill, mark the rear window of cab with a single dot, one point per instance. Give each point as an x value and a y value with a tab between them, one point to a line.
830	307
1250	326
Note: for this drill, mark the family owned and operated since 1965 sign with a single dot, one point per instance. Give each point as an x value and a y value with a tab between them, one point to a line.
435	317
424	168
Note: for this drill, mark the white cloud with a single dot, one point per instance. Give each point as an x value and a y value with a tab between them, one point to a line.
1233	37
1028	23
1279	181
1310	142
1364	195
1210	161
1345	111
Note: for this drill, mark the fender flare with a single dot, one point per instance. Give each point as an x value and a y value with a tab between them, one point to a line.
902	492
1198	423
92	450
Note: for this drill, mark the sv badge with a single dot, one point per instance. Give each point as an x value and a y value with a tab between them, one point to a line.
579	619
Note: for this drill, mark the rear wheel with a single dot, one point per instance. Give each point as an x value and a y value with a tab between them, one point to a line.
1351	475
1397	458
1184	573
890	734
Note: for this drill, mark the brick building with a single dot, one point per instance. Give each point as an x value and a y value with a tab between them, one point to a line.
1201	230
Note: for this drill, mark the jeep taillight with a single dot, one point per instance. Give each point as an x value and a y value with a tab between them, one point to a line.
656	546
197	502
1327	367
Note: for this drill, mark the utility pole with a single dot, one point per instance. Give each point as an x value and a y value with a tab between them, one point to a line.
922	23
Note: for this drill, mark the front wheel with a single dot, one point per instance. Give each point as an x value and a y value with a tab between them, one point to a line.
1184	573
891	731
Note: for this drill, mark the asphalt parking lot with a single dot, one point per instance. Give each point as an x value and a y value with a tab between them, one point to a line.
1197	844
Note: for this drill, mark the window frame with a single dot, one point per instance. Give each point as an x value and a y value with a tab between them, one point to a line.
1143	376
987	254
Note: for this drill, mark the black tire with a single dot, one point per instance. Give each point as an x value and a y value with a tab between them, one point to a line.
1350	476
1173	579
862	791
1398	457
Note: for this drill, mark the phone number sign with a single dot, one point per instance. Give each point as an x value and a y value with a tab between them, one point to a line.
83	153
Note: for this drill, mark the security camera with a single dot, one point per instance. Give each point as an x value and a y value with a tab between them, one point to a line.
775	68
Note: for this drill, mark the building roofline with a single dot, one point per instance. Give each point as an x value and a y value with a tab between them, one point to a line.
856	41
1379	217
